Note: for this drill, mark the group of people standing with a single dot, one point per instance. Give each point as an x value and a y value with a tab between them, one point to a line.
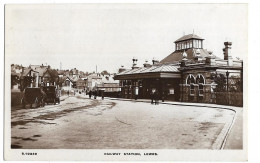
95	94
154	97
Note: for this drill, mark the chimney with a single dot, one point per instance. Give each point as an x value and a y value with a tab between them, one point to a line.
146	64
121	69
210	60
227	53
155	61
134	63
198	57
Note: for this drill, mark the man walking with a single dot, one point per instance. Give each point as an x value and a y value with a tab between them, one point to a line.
90	94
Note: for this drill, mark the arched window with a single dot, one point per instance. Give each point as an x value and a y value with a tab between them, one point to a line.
191	81
200	81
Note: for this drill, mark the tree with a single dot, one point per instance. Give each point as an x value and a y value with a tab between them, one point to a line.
105	73
221	81
14	80
234	83
25	82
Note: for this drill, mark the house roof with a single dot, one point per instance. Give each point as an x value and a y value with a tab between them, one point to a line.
64	78
26	71
15	73
53	72
177	55
189	36
159	68
35	66
61	72
41	70
108	79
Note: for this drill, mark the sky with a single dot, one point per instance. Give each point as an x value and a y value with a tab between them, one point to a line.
107	36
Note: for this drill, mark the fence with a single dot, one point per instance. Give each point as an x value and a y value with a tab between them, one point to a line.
230	98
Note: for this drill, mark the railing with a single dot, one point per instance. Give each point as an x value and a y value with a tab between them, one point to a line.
230	98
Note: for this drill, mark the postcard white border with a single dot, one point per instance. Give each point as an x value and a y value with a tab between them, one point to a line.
97	155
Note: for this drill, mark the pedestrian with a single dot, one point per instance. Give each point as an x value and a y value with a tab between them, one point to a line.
102	94
156	97
95	94
163	96
68	93
90	94
152	97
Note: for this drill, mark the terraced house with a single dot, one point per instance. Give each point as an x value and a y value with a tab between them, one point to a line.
191	74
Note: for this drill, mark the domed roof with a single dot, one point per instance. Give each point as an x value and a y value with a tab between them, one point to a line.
188	37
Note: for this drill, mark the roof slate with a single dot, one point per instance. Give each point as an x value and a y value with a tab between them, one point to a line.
154	69
189	36
178	55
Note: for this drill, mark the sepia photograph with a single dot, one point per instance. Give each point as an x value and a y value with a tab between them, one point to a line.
126	82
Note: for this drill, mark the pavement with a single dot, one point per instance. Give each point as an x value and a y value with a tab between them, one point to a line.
234	138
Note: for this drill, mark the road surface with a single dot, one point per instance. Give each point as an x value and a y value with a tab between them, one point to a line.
82	123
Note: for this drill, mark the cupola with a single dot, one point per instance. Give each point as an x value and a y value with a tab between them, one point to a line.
188	42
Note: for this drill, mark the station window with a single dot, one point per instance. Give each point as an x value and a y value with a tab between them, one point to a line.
200	81
200	89
191	81
194	44
192	89
199	44
171	91
190	44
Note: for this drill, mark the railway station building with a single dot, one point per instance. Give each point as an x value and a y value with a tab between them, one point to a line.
190	74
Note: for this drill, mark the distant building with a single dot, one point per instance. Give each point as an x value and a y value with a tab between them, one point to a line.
29	78
93	81
66	84
81	84
108	84
47	76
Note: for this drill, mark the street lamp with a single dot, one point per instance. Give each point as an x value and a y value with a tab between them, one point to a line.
227	74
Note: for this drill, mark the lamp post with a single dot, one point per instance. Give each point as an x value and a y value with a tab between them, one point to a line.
227	74
182	87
